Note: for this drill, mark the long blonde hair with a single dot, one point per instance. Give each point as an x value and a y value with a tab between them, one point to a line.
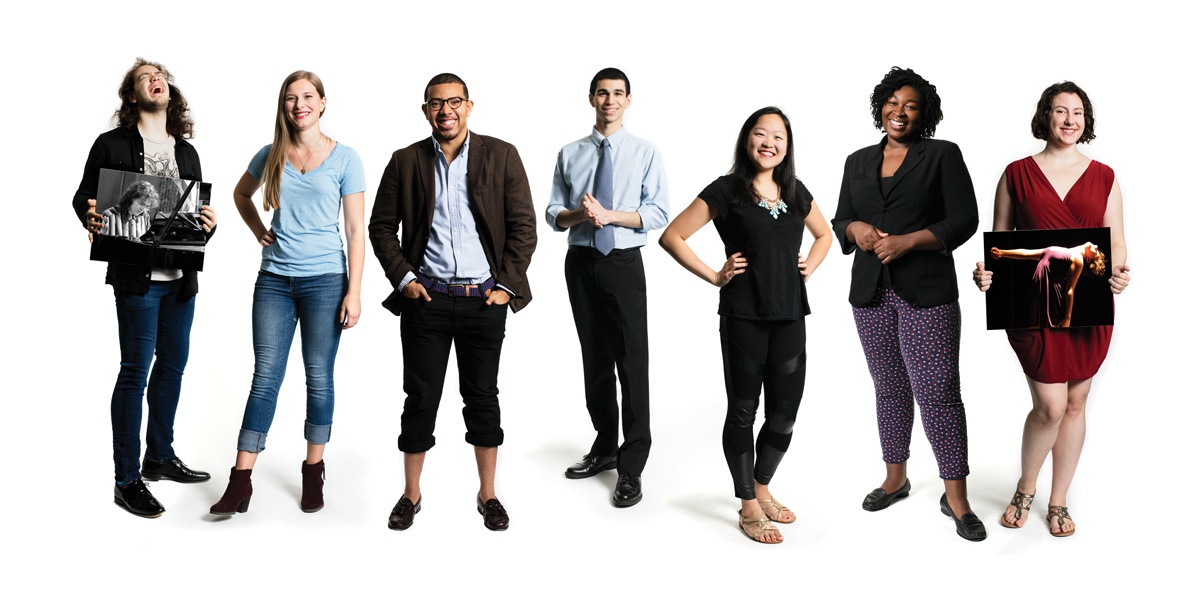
282	143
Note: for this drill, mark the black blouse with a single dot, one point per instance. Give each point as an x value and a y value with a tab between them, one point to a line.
771	288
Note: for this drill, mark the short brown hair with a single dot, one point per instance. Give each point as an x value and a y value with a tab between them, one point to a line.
1041	117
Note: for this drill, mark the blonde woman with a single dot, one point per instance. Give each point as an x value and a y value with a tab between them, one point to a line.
306	277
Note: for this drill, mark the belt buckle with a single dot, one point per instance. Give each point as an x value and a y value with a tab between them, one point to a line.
460	290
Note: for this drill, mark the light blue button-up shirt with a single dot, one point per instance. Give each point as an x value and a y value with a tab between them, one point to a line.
639	185
454	254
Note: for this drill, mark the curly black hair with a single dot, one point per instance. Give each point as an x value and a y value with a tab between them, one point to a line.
931	103
179	120
1041	117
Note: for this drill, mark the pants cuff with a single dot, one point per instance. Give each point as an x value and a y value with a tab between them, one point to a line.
415	446
316	434
249	441
486	440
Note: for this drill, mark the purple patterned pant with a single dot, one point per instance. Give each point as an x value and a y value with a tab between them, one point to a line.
913	353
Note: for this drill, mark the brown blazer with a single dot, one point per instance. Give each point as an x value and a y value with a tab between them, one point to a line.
498	191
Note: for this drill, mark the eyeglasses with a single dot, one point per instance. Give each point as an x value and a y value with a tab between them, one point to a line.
151	76
436	104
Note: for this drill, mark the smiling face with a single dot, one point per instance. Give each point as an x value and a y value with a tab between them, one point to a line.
150	89
1066	119
448	123
303	104
900	114
610	100
768	142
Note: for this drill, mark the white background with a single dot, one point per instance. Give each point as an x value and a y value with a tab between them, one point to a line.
696	73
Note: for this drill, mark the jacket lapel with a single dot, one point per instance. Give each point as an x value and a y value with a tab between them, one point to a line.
476	192
915	154
425	182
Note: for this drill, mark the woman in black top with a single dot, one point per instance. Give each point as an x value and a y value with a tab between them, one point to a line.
760	210
905	204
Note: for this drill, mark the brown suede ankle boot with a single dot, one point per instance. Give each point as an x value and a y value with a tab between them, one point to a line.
237	494
312	498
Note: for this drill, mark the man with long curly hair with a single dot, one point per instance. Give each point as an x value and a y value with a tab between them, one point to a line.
154	305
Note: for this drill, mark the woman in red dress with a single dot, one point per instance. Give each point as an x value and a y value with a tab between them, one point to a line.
1058	187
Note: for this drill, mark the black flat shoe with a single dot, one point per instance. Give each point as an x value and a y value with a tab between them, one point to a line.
969	527
172	470
590	466
879	499
134	497
628	491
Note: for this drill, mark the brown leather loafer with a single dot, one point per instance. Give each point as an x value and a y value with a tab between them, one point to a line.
403	513
494	515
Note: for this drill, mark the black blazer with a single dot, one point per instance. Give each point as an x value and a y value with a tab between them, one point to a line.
932	190
501	203
120	149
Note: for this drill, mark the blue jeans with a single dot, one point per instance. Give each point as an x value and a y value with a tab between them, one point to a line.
155	326
279	303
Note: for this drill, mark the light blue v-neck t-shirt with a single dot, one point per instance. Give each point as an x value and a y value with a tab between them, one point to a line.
308	239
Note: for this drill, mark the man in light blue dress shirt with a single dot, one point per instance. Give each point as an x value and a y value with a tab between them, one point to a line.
609	190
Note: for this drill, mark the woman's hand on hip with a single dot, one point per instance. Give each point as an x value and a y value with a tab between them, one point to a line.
734	265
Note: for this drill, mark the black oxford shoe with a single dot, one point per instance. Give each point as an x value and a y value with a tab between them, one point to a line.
172	470
134	497
879	499
590	466
969	527
628	491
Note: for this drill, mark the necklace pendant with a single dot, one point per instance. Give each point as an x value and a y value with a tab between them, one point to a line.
303	171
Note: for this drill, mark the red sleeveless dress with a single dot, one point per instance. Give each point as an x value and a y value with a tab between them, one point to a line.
1059	355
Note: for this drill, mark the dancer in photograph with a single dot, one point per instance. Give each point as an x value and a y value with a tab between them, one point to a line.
307	277
1055	277
906	203
760	210
1059	187
155	306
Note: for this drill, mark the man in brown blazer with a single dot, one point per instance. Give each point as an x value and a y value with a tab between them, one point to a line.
454	228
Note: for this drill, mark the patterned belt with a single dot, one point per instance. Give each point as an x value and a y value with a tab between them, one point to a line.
457	290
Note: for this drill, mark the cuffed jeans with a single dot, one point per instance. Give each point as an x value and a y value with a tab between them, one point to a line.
279	304
155	326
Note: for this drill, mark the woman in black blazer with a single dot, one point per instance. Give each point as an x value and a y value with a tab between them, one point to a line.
905	205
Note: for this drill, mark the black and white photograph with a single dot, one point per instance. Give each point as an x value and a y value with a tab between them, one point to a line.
153	217
1048	278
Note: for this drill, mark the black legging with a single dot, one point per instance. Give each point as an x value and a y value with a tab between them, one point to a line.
767	357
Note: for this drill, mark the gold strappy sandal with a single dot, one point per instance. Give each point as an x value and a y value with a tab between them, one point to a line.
775	511
1060	513
756	527
1020	501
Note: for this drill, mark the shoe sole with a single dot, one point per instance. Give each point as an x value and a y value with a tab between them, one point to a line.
127	509
570	475
162	477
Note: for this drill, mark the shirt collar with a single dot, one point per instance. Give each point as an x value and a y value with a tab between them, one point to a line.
437	148
614	139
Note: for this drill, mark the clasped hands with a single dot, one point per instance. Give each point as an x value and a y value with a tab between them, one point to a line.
886	247
597	214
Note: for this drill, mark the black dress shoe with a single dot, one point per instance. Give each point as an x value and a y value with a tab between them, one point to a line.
136	499
969	527
628	491
402	514
494	515
590	466
879	499
172	470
